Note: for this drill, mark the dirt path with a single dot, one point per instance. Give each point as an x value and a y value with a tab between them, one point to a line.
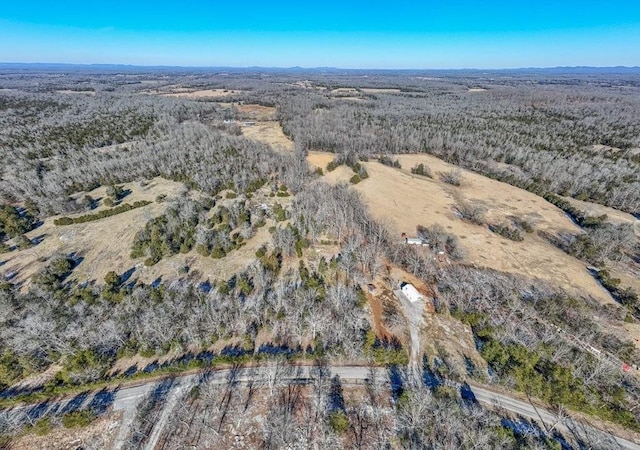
413	312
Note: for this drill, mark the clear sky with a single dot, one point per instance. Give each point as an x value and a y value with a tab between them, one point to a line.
372	34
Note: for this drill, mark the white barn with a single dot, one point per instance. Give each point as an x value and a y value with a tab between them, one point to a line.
416	241
411	292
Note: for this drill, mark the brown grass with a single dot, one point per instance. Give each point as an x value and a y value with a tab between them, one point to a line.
405	200
105	244
269	132
613	215
257	112
320	159
381	90
204	93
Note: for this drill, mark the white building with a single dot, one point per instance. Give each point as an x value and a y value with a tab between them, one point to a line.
416	241
411	292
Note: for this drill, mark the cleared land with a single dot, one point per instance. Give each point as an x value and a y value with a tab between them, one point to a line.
380	90
320	159
404	201
269	132
613	215
204	93
251	111
104	245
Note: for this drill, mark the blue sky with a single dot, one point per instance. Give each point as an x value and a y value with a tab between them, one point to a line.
373	34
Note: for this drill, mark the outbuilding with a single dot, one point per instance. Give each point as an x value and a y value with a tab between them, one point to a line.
411	292
415	241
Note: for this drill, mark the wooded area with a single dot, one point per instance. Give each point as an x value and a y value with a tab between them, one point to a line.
555	135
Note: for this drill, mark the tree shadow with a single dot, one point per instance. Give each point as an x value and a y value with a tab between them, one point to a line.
430	379
467	394
397	382
102	400
271	349
336	395
127	275
38	411
38	239
205	286
75	403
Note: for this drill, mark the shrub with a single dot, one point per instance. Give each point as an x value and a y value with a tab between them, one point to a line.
339	422
13	223
279	213
332	165
422	169
112	279
507	232
42	426
261	252
115	192
78	419
102	214
109	202
23	242
470	211
355	179
388	161
524	225
453	177
231	195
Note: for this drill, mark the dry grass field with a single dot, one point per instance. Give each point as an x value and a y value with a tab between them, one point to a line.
256	112
103	244
269	132
204	93
404	200
98	434
613	215
380	90
320	159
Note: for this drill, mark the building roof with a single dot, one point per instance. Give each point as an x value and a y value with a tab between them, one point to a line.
411	292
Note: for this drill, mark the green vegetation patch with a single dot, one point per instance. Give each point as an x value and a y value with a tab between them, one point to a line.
102	214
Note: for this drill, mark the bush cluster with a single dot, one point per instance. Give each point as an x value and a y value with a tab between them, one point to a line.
102	214
507	232
422	169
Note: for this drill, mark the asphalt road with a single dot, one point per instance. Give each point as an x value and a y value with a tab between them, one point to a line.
127	398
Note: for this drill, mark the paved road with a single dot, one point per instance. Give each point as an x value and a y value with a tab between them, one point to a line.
127	398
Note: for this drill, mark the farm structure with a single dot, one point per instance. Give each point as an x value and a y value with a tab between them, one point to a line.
411	292
416	241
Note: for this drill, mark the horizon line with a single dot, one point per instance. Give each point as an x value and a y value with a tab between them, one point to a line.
285	68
